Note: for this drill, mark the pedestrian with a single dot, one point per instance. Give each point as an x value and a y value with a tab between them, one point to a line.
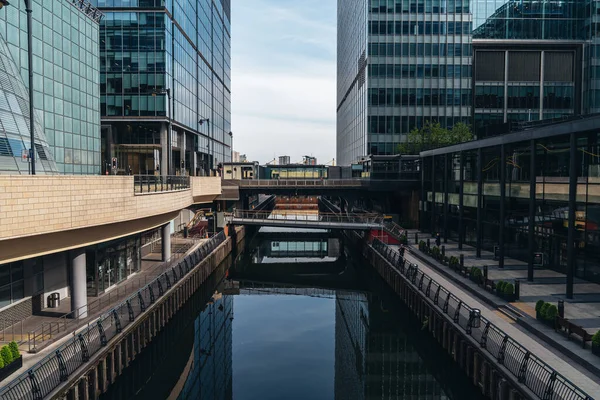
438	240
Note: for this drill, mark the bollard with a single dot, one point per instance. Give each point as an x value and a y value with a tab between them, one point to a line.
517	289
485	273
416	237
561	308
462	260
443	251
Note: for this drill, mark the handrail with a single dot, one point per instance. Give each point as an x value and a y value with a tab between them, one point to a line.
51	371
9	324
372	219
532	372
45	333
158	183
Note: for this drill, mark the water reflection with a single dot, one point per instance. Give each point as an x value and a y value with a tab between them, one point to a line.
287	323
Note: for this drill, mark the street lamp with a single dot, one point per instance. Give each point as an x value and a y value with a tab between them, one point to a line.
231	146
168	170
30	66
200	122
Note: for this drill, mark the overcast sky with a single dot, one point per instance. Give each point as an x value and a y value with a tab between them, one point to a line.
284	78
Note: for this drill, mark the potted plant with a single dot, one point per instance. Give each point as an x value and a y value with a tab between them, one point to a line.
500	288
10	360
538	308
476	275
551	314
596	344
422	246
509	292
543	311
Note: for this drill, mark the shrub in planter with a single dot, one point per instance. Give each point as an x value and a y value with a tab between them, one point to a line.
551	313
509	289
596	343
476	275
538	305
422	245
1	363
500	287
14	349
6	355
435	252
403	240
544	310
453	262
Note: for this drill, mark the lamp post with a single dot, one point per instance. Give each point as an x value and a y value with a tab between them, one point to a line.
200	122
30	67
168	170
231	147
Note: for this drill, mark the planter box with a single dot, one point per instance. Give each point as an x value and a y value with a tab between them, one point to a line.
596	349
507	297
11	368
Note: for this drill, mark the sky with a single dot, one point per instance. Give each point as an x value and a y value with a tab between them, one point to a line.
283	78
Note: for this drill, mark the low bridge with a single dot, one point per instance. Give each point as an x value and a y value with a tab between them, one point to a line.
310	221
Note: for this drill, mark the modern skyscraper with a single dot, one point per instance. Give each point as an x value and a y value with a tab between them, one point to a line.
161	62
66	87
482	62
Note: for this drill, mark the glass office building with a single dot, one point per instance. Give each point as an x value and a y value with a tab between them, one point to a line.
160	61
554	171
66	87
400	63
484	62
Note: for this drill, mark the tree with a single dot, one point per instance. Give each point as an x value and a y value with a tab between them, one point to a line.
432	135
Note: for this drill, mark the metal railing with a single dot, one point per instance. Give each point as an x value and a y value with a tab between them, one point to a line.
11	330
47	374
533	373
394	229
158	183
370	219
304	182
48	332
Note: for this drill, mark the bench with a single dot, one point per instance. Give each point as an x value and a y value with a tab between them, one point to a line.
571	328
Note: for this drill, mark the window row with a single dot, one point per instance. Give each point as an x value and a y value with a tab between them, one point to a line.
419	71
524	97
419	6
419	28
420	49
419	97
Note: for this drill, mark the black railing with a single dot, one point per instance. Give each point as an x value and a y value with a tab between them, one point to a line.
533	373
158	183
47	374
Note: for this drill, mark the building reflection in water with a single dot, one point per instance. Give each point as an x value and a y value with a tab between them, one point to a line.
210	375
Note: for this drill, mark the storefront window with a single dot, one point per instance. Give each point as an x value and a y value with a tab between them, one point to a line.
11	283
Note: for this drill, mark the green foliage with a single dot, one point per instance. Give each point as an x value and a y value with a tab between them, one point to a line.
551	313
544	310
453	262
435	252
509	289
403	239
1	363
596	339
477	274
538	305
14	348
6	355
432	135
500	286
422	245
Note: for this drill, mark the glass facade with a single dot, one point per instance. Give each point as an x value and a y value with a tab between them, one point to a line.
550	178
154	46
11	283
418	56
66	82
442	60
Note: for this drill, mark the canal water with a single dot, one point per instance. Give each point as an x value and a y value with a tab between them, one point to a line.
295	316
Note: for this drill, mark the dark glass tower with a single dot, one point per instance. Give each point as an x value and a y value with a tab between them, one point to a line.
162	60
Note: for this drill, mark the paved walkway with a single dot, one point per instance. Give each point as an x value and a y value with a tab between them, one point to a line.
152	266
581	377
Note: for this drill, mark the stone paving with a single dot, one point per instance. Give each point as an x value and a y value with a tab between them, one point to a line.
581	377
547	285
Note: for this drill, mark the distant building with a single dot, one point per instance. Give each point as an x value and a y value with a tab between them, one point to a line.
235	156
295	171
241	170
284	160
243	158
308	160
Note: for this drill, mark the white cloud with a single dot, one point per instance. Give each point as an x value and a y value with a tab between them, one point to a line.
284	79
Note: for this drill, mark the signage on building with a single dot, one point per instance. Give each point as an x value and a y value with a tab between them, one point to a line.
24	155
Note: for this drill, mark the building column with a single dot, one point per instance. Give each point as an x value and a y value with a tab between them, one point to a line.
572	208
531	217
461	196
432	195
165	231
164	149
78	283
182	149
501	222
479	201
194	161
445	177
423	200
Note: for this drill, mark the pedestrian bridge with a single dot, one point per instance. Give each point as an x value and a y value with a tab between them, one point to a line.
309	221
